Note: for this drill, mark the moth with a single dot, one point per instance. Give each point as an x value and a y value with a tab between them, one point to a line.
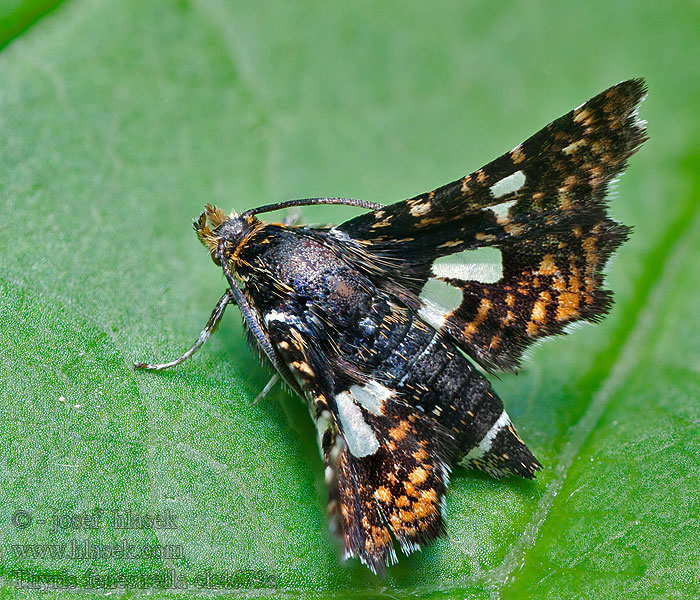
384	324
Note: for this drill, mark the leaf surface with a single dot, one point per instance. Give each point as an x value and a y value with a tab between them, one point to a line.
119	121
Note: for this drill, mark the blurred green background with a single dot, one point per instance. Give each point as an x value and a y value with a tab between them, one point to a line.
120	120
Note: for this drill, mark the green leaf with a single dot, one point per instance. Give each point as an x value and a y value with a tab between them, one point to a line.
119	121
17	15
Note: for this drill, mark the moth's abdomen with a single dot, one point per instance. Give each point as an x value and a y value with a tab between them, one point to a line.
429	373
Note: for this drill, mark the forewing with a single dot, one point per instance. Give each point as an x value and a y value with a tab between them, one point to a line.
541	206
551	281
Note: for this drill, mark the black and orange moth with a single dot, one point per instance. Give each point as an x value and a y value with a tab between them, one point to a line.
380	323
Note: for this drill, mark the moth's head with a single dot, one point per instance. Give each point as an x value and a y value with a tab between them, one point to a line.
214	227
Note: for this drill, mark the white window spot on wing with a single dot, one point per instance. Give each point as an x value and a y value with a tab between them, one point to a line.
484	265
323	423
358	435
441	295
485	444
372	396
508	185
501	210
433	314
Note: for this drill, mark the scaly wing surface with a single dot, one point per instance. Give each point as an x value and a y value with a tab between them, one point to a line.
516	250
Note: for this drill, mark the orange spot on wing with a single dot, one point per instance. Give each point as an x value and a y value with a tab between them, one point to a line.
451	244
514	228
484	307
399	432
380	537
383	494
547	265
406	516
567	306
565	201
420	455
410	489
418	475
583	116
481	313
425	507
402	501
538	312
424	222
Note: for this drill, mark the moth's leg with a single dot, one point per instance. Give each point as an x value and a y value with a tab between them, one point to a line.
266	390
212	323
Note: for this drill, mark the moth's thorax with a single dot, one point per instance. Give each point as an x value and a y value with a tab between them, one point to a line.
296	263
